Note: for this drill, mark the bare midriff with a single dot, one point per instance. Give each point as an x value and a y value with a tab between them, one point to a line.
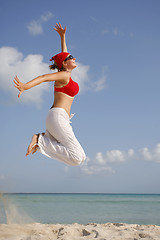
62	100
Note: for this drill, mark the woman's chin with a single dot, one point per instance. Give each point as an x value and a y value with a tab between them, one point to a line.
75	66
72	67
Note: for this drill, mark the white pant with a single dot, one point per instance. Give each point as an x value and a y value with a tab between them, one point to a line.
59	141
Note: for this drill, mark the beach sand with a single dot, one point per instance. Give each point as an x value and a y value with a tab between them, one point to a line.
91	231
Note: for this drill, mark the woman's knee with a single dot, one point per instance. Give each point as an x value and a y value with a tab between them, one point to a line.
79	159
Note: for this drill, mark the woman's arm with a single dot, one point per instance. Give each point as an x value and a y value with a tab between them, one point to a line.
58	76
58	28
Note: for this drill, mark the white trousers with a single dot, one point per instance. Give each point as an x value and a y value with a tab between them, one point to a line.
59	141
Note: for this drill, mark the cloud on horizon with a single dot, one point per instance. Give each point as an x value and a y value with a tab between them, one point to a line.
150	154
104	163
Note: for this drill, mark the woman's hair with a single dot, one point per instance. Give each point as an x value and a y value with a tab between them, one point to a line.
54	66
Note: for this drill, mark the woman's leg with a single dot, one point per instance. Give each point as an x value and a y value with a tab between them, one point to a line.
59	141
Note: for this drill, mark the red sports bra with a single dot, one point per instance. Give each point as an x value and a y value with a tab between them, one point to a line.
71	89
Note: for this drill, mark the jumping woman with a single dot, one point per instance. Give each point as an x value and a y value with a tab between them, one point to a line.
59	141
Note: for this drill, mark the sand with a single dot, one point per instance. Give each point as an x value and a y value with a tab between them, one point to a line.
91	231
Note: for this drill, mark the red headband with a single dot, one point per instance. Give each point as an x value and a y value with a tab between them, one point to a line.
59	58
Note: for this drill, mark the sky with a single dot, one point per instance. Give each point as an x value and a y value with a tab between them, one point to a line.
117	49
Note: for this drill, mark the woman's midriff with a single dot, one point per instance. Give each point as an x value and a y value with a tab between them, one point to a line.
61	100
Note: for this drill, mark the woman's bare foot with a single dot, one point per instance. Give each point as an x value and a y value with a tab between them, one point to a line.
33	145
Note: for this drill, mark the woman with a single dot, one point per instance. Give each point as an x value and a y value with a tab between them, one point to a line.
59	141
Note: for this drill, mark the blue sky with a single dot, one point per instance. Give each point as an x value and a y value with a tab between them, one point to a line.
117	47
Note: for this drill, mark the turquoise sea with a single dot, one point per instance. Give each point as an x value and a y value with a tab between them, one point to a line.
80	208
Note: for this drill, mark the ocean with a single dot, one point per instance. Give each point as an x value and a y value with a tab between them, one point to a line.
80	208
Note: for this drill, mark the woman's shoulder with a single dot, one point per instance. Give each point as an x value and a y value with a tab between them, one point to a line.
63	77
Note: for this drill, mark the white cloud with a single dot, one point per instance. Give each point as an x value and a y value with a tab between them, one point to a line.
35	26
115	156
99	159
130	152
102	162
14	63
100	84
95	167
81	75
150	155
146	154
90	170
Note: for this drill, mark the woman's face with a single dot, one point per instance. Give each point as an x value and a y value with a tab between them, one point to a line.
70	62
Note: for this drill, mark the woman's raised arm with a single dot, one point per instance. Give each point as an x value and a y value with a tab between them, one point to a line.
58	28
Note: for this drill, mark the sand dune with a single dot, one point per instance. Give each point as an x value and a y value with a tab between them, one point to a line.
91	231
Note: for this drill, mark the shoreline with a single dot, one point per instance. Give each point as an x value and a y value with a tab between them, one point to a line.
75	193
75	231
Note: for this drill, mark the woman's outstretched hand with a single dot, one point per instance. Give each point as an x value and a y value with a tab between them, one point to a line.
58	28
19	85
